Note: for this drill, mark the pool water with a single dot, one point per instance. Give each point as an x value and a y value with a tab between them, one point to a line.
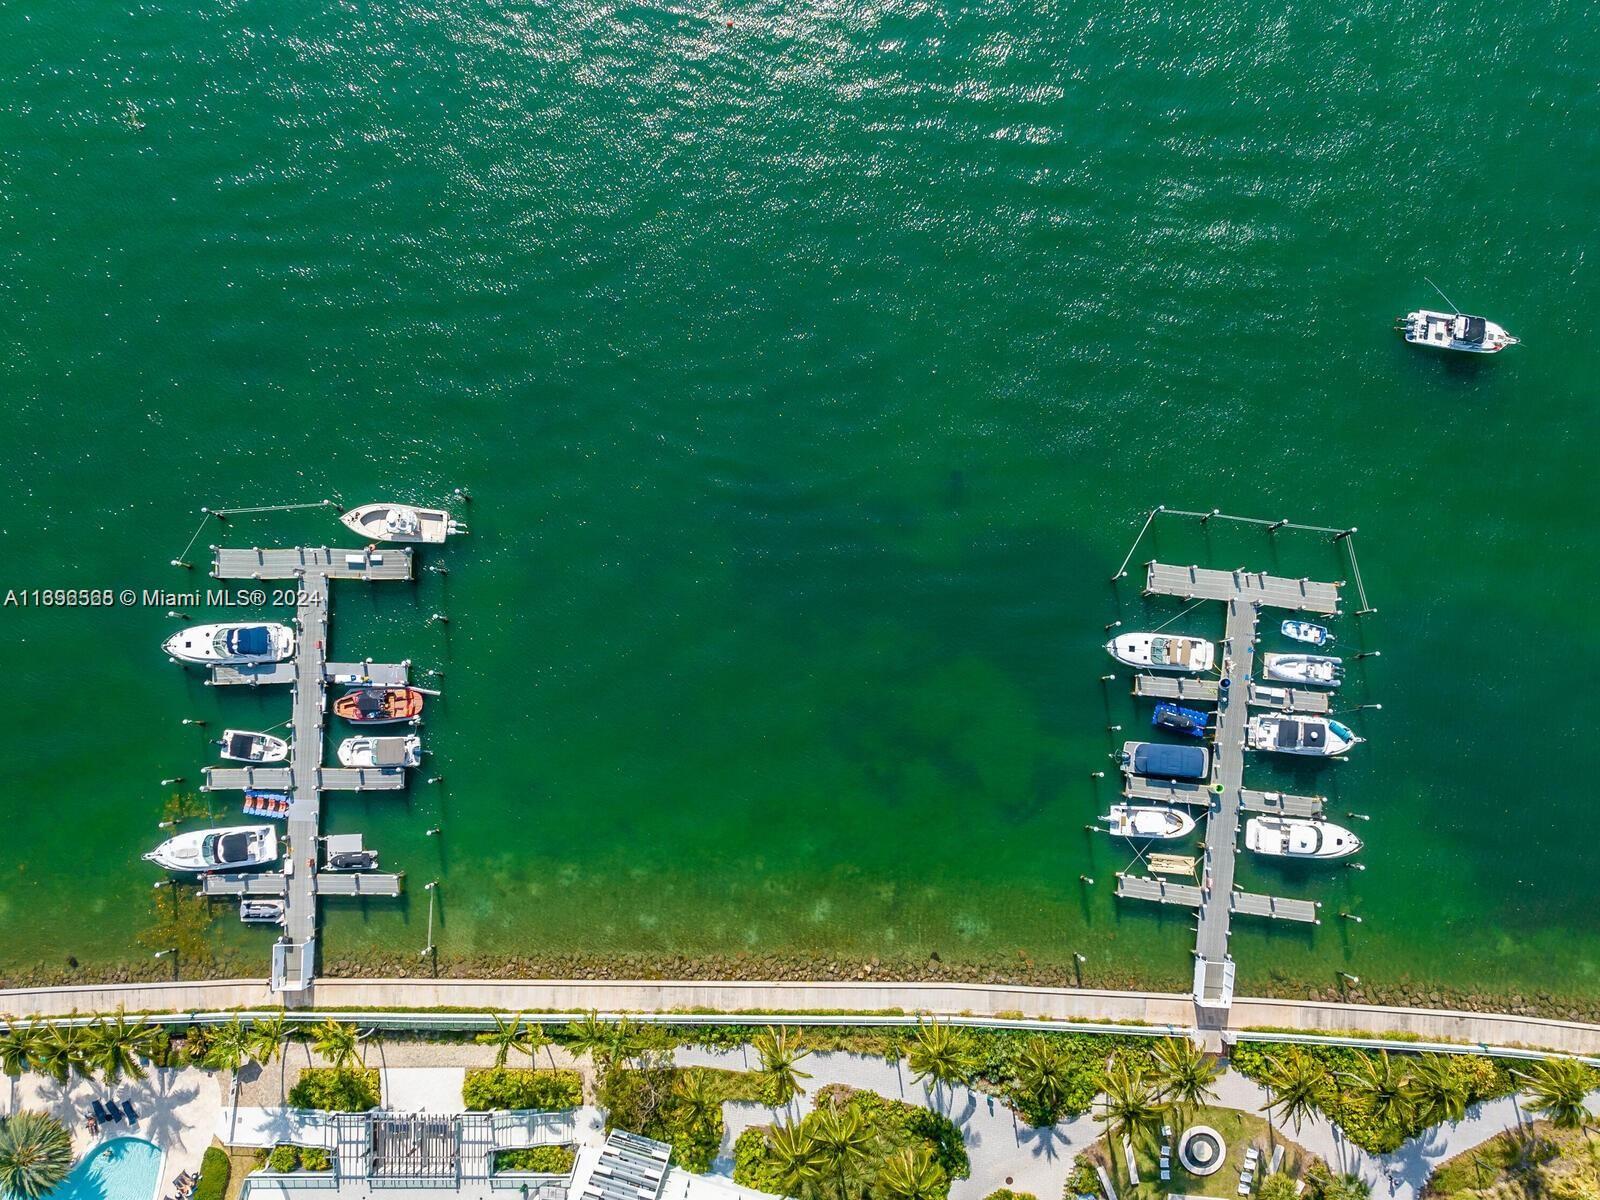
126	1168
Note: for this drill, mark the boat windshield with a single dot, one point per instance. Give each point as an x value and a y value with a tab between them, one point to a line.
1167	651
403	520
222	849
1305	839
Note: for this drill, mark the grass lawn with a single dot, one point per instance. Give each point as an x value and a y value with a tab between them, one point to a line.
1542	1162
1239	1130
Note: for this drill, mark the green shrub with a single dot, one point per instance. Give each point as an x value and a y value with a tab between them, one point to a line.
283	1159
329	1090
314	1158
545	1160
1082	1180
215	1172
1277	1187
521	1088
1008	1194
646	1099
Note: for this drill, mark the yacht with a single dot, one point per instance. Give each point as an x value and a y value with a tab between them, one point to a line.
1317	670
235	848
1317	736
1166	762
1305	631
1455	331
402	523
380	751
234	644
241	745
1148	821
1289	837
1162	651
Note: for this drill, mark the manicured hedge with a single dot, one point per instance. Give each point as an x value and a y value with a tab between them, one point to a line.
328	1090
215	1171
519	1087
545	1160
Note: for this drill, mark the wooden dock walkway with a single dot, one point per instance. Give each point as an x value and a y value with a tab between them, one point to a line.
1244	594
1204	691
275	885
281	779
1248	587
336	674
321	562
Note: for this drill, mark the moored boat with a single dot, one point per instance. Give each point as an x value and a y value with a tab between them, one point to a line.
1315	670
1162	761
1292	837
1305	631
262	912
1148	821
1173	718
234	848
242	745
379	706
239	643
401	523
1162	651
380	751
1316	736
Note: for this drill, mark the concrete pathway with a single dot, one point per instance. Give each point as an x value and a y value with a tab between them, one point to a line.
424	1089
177	1111
983	1000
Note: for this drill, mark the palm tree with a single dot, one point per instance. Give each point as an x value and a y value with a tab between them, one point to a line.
63	1051
115	1047
1131	1106
779	1053
268	1037
232	1046
1044	1073
35	1154
19	1052
590	1036
338	1043
912	1174
1438	1094
1185	1076
795	1159
941	1053
505	1037
539	1040
1346	1187
843	1142
1296	1087
697	1097
1383	1090
1558	1090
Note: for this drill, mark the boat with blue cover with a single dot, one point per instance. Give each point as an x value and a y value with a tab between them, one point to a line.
1174	718
1163	761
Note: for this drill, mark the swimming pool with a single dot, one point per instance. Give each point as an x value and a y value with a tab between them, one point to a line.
125	1168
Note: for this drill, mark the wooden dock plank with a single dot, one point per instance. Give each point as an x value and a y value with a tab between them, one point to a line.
362	779
271	884
1204	691
1281	804
357	883
367	674
266	674
237	779
1144	887
1167	791
1272	591
389	562
1254	904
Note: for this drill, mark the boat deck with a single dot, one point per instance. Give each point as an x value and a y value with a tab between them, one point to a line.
1204	691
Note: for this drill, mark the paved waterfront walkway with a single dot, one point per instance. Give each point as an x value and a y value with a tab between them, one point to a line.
1065	1004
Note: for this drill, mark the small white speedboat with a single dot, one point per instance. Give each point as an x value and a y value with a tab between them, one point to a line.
262	912
381	751
235	848
1148	821
1291	837
241	643
1315	670
1316	736
1162	651
1454	331
1305	631
401	523
241	745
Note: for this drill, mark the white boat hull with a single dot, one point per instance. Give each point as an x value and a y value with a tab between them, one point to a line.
401	523
1163	652
1148	821
1308	670
235	848
367	752
258	747
1289	837
1454	331
1315	737
227	644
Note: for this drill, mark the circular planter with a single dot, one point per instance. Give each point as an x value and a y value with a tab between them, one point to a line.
1201	1150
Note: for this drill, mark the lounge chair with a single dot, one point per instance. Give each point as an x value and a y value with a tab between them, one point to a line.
102	1113
127	1111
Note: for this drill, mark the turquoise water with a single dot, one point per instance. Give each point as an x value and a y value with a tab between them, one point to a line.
811	375
125	1168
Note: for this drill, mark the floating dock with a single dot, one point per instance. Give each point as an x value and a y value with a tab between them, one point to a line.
305	779
1215	898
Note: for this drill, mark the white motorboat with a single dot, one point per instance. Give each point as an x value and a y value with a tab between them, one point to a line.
1455	331
240	643
1162	651
1316	670
1148	821
1281	734
401	523
348	852
1290	837
235	848
381	751
262	912
1305	631
241	745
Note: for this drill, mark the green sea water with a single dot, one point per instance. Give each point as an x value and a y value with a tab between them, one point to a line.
811	369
